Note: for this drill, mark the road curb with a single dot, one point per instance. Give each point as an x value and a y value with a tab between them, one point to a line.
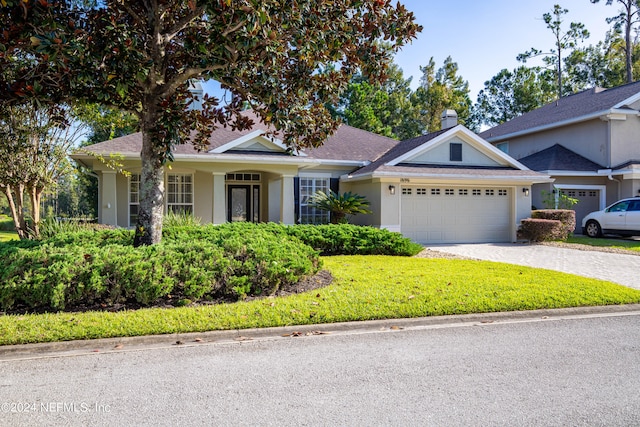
123	344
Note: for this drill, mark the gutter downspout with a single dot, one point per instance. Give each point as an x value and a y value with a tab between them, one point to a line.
611	178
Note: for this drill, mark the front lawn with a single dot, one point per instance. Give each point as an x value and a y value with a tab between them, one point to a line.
6	236
365	288
628	244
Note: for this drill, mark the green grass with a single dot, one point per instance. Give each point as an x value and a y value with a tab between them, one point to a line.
632	245
365	288
5	236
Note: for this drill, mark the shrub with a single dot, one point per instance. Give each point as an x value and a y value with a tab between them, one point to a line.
102	268
539	230
51	227
566	216
346	239
92	268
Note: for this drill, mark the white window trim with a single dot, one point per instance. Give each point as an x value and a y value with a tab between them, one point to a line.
166	186
323	176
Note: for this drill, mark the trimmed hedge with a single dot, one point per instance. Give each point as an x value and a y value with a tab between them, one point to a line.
102	269
540	230
566	216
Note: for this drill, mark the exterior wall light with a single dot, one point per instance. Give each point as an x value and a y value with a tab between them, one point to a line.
526	192
392	189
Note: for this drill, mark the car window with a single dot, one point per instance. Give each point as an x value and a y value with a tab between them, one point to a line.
634	206
619	207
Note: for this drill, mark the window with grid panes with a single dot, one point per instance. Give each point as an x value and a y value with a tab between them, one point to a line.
134	198
180	193
309	187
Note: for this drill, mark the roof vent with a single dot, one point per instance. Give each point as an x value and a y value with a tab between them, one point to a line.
448	119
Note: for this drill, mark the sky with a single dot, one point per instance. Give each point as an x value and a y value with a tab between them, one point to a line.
484	37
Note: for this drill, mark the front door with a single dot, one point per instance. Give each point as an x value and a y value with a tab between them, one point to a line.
243	203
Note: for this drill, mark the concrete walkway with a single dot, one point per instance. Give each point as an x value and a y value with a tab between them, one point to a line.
619	268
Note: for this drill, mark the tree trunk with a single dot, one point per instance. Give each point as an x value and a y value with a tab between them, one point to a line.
16	204
628	50
151	209
35	194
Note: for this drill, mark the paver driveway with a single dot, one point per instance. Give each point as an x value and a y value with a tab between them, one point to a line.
619	268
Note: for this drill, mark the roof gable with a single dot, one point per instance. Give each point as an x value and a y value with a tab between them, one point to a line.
435	151
559	158
253	142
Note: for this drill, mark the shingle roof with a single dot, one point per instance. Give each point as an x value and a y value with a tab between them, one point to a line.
585	103
559	158
347	143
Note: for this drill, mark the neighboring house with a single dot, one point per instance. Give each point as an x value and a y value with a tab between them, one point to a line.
448	186
588	142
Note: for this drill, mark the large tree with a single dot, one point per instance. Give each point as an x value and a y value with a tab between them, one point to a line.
628	17
510	94
439	90
563	41
34	143
384	108
286	59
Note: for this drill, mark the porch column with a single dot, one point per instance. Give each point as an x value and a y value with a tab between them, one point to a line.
287	200
108	201
219	197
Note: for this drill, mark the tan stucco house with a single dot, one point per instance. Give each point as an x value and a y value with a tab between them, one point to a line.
588	142
448	186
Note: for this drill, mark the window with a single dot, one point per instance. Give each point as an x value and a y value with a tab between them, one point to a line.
421	191
254	177
463	192
503	146
488	192
180	193
455	152
309	187
449	192
134	198
435	191
406	191
476	192
502	192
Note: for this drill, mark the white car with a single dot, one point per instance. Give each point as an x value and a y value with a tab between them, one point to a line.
622	217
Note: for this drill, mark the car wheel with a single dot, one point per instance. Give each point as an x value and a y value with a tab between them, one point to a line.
593	229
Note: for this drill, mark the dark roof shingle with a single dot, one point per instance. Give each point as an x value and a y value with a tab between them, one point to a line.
559	158
585	103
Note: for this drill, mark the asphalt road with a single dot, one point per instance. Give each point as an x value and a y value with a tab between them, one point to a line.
543	371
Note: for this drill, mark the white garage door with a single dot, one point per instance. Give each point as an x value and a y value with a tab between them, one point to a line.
447	214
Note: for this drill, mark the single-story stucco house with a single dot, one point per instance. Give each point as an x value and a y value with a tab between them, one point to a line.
447	186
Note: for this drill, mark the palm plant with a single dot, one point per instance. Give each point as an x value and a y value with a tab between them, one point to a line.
340	205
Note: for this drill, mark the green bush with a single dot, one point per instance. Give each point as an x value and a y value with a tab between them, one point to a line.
51	227
91	268
102	268
346	239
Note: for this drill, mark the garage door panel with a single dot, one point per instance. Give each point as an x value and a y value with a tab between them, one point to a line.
447	214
